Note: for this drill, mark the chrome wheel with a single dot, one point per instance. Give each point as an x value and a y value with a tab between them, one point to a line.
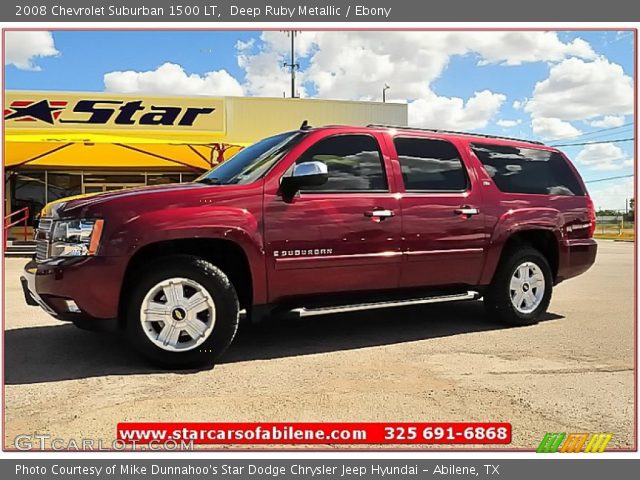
526	288
177	314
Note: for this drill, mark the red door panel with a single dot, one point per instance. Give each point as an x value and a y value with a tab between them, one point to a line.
324	243
441	247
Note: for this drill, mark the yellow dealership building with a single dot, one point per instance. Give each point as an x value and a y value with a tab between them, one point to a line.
59	144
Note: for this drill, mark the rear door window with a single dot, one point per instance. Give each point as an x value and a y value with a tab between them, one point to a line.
430	165
528	170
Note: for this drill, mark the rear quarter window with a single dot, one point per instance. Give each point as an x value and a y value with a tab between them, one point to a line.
528	170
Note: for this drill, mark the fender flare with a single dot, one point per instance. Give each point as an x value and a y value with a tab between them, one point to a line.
512	223
244	232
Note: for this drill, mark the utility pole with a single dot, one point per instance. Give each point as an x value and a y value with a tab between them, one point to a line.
293	66
384	92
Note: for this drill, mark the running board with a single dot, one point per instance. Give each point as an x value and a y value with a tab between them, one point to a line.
304	312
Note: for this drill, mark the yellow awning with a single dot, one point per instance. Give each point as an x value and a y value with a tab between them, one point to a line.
60	155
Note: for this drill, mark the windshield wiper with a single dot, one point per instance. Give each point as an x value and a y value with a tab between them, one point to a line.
210	181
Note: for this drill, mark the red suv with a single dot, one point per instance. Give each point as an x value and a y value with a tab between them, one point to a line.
315	220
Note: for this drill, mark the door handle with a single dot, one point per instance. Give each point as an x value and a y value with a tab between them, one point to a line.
466	210
379	214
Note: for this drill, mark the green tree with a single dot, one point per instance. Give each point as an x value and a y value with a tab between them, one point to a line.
631	213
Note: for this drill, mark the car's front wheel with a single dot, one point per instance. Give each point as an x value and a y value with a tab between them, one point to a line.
521	288
183	312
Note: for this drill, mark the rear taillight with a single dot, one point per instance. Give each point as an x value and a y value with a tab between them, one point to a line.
592	216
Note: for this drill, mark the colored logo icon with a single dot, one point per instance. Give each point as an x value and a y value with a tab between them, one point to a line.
574	443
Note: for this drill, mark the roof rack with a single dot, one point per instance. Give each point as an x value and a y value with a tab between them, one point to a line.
435	130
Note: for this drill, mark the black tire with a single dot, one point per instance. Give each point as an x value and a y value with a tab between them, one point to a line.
497	298
216	283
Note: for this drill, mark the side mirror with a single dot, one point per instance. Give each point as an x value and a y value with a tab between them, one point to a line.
307	174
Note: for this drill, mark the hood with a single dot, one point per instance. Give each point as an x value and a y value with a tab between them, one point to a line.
77	202
49	208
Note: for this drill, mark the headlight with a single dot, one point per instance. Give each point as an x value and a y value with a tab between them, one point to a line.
76	238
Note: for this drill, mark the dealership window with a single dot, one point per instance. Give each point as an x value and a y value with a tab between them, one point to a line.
29	191
430	165
189	177
162	179
528	170
96	182
61	185
354	163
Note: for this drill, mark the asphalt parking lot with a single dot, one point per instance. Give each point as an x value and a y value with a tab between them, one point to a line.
573	372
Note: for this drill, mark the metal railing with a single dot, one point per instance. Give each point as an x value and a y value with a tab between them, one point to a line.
9	223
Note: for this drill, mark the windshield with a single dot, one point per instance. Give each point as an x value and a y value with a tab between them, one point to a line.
252	162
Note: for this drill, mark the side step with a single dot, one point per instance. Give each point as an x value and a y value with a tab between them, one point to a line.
305	312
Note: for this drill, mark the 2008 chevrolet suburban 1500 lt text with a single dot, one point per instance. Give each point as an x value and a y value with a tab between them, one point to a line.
317	219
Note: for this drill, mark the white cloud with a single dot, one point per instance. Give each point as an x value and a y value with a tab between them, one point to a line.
263	63
515	48
240	45
518	104
355	66
611	195
579	90
608	121
172	79
603	156
453	112
508	123
265	75
553	128
24	47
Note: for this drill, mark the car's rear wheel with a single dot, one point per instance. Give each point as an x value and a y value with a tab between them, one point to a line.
521	288
183	312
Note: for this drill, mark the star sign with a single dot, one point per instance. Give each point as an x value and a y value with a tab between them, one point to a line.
41	110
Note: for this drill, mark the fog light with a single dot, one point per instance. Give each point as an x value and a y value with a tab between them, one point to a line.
72	307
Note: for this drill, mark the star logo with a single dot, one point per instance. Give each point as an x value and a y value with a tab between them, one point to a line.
30	111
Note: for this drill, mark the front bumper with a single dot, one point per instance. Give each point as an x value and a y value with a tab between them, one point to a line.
28	281
92	284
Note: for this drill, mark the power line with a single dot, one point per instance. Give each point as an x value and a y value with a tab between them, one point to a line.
609	178
601	136
617	140
603	130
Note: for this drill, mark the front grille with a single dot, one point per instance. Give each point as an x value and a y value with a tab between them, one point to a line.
42	250
42	238
44	225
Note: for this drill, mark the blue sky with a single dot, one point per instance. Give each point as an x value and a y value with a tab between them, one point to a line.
86	56
509	83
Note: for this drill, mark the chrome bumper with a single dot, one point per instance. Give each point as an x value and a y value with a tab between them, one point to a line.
28	281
